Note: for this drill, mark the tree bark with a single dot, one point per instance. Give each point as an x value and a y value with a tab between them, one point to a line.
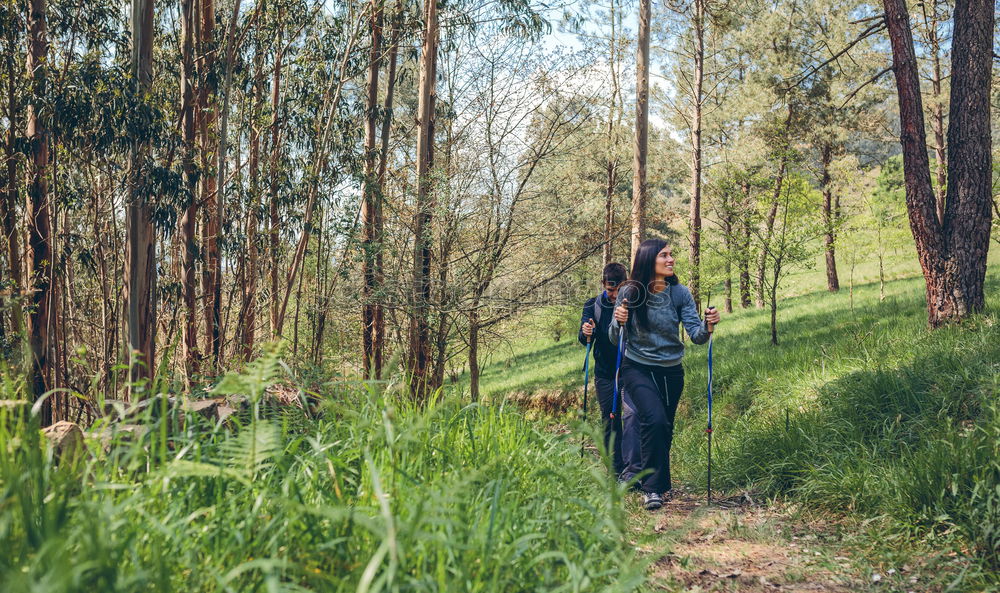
188	222
378	311
952	252
141	268
248	318
829	218
743	261
272	210
39	214
419	325
217	330
729	242
775	273
207	130
474	354
8	203
696	166
370	206
968	211
639	189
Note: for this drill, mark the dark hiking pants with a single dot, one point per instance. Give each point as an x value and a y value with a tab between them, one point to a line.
612	428
631	451
655	392
624	429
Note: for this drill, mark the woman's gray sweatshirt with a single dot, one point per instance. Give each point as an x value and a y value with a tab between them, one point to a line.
658	343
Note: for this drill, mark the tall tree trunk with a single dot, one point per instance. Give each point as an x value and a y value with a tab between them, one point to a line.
696	112
248	317
188	222
952	253
744	265
370	198
378	311
743	260
8	202
729	243
273	219
207	130
141	268
968	211
474	354
39	214
829	218
217	330
773	301
108	322
420	298
639	189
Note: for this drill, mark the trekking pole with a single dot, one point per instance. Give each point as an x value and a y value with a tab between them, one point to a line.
708	430
586	384
618	363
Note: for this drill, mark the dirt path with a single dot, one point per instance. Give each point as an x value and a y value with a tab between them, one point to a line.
740	545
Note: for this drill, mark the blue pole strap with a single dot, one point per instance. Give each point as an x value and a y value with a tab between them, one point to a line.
618	366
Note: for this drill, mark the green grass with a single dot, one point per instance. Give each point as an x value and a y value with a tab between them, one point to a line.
376	495
885	418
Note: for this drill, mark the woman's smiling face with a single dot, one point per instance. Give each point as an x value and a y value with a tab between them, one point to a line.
664	263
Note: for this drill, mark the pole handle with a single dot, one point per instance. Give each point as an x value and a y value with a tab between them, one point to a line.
711	326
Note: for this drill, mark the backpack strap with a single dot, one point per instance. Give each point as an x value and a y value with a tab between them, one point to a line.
676	303
597	309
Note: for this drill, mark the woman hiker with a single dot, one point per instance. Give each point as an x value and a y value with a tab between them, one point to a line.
598	313
651	305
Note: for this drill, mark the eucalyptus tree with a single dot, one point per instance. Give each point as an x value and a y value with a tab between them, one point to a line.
141	270
12	78
39	211
372	322
419	352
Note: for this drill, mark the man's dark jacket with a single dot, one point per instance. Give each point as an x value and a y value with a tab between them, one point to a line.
605	352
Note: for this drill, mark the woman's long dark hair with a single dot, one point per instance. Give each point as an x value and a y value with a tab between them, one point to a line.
642	277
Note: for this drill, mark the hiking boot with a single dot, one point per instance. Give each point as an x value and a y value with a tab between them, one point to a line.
652	500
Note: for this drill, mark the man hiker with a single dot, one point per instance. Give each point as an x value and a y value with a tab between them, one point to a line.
598	312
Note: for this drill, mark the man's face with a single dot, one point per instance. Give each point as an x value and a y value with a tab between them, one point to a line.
612	289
